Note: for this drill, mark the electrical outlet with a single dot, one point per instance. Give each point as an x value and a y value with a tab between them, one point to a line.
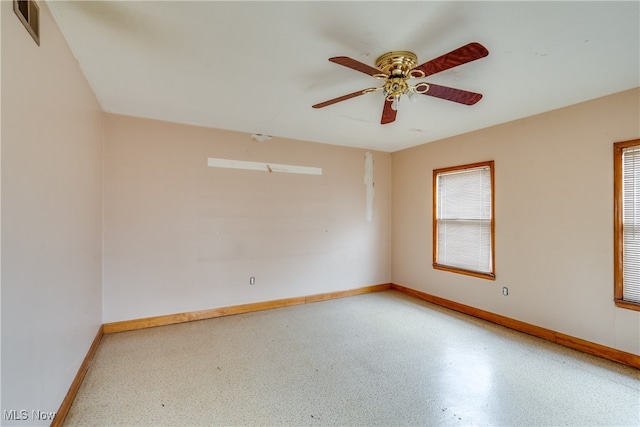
252	280
505	291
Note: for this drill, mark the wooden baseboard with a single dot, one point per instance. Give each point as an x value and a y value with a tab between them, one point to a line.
150	322
349	293
605	352
58	420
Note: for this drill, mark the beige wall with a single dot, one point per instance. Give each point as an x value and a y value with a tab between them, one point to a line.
554	219
181	236
51	216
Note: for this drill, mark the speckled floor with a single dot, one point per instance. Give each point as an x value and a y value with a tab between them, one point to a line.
374	359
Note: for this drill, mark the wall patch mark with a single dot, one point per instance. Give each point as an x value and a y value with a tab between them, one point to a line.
265	167
368	182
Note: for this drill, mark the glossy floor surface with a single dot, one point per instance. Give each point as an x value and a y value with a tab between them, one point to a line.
374	359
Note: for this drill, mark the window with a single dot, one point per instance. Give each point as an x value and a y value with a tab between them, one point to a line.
463	220
626	188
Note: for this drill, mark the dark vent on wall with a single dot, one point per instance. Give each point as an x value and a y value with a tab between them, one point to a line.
29	13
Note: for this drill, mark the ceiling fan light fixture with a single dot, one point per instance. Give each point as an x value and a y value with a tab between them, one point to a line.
395	103
397	67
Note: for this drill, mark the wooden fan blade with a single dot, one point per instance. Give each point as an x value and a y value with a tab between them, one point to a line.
462	55
355	65
388	113
452	94
341	98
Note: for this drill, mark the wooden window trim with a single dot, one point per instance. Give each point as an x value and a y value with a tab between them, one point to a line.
482	275
618	243
32	20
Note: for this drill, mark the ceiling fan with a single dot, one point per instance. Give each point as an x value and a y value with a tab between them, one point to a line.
397	67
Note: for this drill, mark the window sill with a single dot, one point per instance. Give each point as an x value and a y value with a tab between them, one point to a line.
488	276
628	305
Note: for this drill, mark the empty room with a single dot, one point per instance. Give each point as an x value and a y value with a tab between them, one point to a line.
320	213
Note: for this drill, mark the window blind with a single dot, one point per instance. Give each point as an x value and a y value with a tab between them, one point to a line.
463	216
631	223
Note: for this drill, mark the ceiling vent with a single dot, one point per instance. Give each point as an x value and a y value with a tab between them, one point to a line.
29	13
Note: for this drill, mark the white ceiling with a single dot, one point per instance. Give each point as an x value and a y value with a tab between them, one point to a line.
258	67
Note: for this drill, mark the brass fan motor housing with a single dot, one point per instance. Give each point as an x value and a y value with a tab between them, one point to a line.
397	63
397	66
